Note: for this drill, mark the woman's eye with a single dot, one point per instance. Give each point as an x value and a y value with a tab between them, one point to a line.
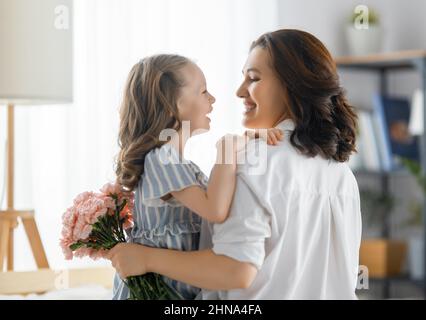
253	79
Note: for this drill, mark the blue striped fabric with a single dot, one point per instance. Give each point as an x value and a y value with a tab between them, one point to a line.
165	224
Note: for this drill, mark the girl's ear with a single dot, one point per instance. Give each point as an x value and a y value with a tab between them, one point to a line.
176	124
181	108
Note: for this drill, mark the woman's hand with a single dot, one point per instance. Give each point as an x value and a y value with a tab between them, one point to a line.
128	259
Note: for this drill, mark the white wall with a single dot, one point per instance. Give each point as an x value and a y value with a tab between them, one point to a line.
404	24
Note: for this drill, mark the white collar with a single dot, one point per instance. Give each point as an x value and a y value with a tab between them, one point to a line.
286	124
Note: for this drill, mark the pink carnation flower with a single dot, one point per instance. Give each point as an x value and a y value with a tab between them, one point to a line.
87	208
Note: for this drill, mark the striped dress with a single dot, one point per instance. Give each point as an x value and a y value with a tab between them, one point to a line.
165	224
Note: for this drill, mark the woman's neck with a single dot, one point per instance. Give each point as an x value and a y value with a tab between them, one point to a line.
283	117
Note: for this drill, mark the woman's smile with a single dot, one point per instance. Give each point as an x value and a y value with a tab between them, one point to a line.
249	106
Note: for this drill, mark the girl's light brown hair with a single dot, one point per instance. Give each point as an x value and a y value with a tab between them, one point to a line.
325	123
149	106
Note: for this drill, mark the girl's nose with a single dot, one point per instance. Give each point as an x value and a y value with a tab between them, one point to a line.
212	99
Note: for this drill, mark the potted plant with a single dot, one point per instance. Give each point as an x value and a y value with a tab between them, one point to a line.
383	257
415	222
363	32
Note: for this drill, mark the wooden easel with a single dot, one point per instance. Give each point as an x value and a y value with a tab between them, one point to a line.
10	217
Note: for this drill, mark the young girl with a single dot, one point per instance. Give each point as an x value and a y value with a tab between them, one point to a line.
164	93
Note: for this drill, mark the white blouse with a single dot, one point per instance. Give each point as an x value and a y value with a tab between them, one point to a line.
297	219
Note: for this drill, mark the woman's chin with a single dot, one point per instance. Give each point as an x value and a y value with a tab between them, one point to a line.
249	122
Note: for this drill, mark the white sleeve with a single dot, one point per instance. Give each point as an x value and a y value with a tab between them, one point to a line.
242	236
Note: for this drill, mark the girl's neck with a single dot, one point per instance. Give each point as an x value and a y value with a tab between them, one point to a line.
178	141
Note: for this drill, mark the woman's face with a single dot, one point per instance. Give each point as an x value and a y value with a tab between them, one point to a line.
263	94
195	102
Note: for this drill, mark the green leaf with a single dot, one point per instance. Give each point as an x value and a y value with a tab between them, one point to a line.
76	245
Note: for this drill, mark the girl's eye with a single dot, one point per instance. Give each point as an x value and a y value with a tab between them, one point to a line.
253	79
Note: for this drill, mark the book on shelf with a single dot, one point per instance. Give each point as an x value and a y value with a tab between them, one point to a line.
416	117
394	113
384	136
367	157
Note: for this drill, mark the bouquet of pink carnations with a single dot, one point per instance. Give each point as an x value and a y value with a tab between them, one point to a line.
95	224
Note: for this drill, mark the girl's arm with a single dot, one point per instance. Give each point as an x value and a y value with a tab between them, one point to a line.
214	203
208	270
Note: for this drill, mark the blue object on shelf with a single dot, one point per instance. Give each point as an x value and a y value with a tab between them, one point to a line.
393	117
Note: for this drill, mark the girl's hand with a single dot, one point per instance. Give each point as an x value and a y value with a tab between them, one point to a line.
272	136
128	259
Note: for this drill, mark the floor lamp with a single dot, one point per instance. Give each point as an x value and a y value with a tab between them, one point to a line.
35	69
10	217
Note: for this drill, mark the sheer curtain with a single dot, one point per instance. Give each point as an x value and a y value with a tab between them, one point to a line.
66	149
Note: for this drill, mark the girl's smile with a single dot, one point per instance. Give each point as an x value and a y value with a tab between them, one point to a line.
195	102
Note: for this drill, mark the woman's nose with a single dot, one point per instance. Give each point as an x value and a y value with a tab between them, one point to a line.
241	91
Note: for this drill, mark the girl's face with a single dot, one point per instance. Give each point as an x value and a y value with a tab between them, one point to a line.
195	102
263	93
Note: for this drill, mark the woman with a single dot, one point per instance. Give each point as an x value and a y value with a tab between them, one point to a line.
294	230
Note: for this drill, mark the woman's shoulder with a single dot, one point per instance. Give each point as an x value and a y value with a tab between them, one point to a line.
258	157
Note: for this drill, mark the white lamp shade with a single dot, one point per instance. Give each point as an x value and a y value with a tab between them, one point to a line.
36	51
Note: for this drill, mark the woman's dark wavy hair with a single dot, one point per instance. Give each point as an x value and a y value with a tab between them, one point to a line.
325	123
